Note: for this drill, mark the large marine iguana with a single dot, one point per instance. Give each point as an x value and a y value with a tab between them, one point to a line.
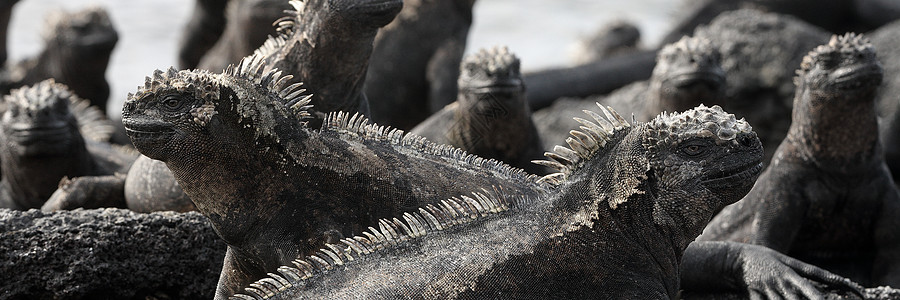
41	142
648	188
275	189
414	66
107	254
687	74
490	117
827	198
248	25
204	28
77	47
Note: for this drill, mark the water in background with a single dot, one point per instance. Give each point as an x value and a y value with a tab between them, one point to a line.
541	32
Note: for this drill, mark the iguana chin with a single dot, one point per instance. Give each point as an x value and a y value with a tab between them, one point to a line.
77	47
41	142
490	117
273	188
827	198
627	200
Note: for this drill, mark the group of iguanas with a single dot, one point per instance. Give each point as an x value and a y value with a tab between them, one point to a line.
316	201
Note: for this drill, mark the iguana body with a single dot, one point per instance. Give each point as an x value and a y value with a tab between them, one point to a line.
490	117
414	66
248	163
248	25
42	143
107	254
827	197
628	201
204	28
77	47
687	74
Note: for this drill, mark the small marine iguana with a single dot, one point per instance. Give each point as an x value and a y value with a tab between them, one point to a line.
414	66
827	198
204	28
76	53
687	74
274	188
248	25
41	142
490	117
648	188
610	40
107	254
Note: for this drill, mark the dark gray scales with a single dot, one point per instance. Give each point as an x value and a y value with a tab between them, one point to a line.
827	198
244	155
415	62
47	133
490	117
649	188
687	74
107	254
77	47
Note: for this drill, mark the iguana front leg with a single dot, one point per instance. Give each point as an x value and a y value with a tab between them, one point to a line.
88	192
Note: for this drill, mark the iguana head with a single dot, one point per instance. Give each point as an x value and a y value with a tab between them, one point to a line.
491	73
374	13
684	167
83	35
175	114
37	121
847	65
688	73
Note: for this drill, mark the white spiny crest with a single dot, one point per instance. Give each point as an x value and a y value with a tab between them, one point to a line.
390	233
583	144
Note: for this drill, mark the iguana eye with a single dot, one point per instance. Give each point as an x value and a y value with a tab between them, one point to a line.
172	102
694	149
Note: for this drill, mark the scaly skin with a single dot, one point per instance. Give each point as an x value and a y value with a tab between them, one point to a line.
414	67
77	47
490	117
275	189
687	74
626	203
827	197
248	25
40	143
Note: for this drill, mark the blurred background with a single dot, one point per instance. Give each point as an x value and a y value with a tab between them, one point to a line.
542	32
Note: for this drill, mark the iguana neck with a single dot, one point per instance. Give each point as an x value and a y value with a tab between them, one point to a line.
331	60
835	132
31	180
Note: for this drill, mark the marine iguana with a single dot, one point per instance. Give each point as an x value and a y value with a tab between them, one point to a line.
415	62
204	28
612	39
76	53
648	188
827	198
490	117
40	143
274	188
248	25
687	74
107	254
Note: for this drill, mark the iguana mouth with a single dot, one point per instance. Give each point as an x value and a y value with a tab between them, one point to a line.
856	76
147	128
738	174
27	134
710	78
497	86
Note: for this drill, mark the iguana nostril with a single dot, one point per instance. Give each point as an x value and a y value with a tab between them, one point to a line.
745	140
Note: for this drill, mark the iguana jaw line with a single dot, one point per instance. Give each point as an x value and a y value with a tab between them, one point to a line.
723	177
508	85
28	133
147	131
855	76
711	78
